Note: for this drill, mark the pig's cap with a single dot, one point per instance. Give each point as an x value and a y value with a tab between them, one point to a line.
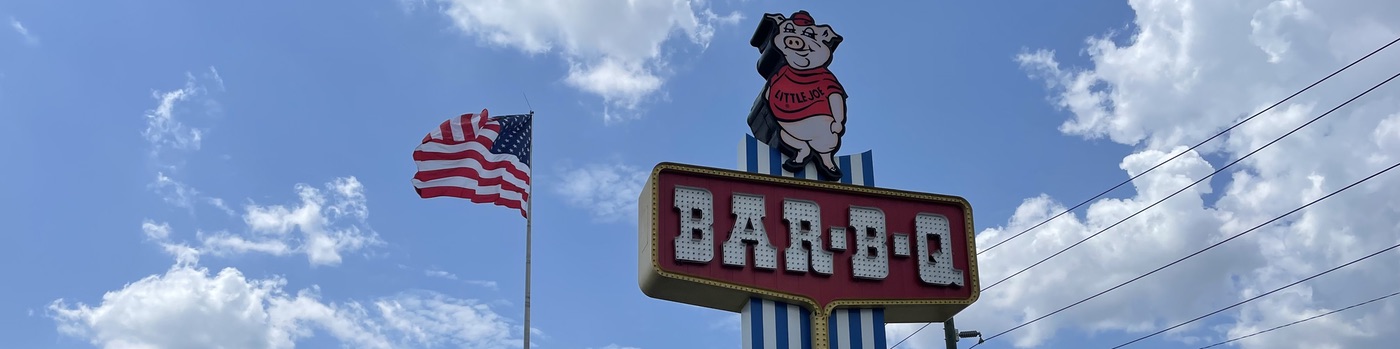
802	18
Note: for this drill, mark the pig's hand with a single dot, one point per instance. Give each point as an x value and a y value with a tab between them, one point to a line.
837	127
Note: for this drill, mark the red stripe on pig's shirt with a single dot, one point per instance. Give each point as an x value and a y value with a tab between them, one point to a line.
797	94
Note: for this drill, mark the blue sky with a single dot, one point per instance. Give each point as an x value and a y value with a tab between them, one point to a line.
275	139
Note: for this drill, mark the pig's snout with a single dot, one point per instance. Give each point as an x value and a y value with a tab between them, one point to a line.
795	43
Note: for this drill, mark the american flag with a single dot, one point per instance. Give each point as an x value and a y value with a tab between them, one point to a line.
476	157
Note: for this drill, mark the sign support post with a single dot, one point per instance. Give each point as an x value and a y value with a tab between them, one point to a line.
950	334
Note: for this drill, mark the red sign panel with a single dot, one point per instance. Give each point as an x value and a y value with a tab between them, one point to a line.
714	238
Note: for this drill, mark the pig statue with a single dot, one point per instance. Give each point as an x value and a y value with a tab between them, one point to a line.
804	97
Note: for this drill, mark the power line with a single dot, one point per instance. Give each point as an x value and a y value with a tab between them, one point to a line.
1302	321
911	335
1261	295
1314	276
1368	55
1179	260
1217	135
1198	181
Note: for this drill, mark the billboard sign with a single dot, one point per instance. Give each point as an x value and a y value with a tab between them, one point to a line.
715	238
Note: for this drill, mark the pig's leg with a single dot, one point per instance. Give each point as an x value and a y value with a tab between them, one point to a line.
825	144
799	159
813	134
803	150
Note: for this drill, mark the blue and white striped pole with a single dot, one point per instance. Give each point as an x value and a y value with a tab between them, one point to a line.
756	157
857	329
769	324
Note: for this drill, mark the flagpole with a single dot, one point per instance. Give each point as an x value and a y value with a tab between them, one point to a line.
529	218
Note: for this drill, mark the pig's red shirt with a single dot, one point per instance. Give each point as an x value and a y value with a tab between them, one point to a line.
797	94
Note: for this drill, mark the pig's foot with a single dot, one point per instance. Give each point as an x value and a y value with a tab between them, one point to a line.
794	165
799	160
828	167
797	151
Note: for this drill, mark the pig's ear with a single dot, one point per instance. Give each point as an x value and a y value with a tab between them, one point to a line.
828	36
767	29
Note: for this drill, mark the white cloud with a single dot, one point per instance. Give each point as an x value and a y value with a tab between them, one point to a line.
440	274
484	284
609	192
171	138
155	231
184	254
223	243
214	74
29	38
615	346
613	47
174	192
434	319
408	6
450	276
324	225
622	82
328	222
163	129
1192	69
328	225
219	204
160	233
188	308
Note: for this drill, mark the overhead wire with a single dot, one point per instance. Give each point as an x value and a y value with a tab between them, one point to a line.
1310	86
1217	135
1198	181
1262	295
1179	260
1310	318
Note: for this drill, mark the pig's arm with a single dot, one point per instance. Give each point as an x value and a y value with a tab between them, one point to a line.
838	112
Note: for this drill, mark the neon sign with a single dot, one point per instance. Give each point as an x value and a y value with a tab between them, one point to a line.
714	238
